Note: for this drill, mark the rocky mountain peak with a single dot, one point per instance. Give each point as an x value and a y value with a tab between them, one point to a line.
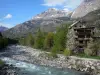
52	13
52	9
86	7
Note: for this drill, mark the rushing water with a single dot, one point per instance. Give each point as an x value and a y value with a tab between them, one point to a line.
30	69
24	68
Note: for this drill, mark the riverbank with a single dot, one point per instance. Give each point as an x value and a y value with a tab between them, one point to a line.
7	70
39	57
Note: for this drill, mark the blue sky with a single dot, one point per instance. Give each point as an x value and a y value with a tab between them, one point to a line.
13	12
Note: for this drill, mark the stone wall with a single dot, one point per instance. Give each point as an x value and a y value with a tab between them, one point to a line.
90	66
83	64
70	39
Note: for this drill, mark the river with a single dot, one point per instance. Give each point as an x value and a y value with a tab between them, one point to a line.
27	68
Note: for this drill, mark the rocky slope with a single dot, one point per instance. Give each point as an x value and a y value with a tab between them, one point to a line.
46	21
86	7
92	19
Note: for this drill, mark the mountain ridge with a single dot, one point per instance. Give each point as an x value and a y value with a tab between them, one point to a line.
46	24
53	13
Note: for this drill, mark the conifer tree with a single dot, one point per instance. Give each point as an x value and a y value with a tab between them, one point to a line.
48	42
60	39
39	39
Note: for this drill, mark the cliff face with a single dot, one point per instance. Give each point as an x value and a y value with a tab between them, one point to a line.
86	7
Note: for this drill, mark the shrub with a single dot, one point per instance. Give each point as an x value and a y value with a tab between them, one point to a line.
67	52
54	52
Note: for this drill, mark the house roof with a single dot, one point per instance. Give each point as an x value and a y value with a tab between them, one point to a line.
74	24
82	23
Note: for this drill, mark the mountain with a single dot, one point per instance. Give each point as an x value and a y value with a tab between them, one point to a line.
2	28
53	13
92	18
47	21
86	7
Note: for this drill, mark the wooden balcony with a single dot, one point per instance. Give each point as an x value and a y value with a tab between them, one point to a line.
82	33
80	44
84	39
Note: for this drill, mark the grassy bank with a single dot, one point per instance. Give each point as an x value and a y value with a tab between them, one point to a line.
90	57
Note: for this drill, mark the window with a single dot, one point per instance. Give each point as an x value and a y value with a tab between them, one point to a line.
80	46
81	42
81	36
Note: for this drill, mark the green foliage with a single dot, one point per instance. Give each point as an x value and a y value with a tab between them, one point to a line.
92	48
54	51
1	63
39	40
60	38
22	41
27	41
86	56
48	42
67	52
6	41
3	42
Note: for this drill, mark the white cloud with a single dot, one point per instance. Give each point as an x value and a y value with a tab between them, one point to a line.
8	16
67	10
72	4
53	2
5	25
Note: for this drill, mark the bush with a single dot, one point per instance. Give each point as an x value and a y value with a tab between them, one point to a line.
54	52
67	52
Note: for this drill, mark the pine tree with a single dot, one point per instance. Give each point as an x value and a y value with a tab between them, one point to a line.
48	42
60	38
29	40
39	39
